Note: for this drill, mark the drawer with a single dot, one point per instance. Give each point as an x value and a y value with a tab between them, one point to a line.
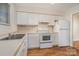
46	45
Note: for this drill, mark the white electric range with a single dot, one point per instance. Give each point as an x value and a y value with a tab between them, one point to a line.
46	40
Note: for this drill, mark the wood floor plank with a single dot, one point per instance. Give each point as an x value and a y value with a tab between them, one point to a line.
55	51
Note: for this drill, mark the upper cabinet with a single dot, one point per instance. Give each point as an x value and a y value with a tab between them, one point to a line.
33	19
24	18
4	13
27	19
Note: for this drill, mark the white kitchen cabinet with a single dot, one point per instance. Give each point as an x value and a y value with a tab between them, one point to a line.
55	38
63	38
64	33
26	19
44	18
33	40
22	18
22	50
46	45
33	19
64	24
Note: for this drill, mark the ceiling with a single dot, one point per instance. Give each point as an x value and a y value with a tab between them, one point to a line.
48	8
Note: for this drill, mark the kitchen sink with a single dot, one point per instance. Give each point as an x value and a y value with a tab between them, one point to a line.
13	37
17	36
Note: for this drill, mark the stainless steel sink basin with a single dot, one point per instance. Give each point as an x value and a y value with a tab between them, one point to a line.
17	36
13	37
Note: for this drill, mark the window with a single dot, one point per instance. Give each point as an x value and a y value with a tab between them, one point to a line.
46	37
4	13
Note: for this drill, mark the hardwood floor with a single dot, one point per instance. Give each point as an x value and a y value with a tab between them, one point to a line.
55	51
76	44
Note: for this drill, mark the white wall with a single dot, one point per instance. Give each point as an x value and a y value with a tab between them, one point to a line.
4	30
30	29
27	8
68	16
27	29
75	27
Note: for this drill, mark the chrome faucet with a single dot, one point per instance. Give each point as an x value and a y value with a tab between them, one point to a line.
10	35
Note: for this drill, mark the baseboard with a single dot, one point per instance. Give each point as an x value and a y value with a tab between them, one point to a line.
63	46
34	48
50	47
55	45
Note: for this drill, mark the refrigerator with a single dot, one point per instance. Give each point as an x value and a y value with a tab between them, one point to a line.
62	27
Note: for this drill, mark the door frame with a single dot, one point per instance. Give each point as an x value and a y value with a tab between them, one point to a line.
72	28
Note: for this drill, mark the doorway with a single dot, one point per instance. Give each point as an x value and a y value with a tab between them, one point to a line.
75	27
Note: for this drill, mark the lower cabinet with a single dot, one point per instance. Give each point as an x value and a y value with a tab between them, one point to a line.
23	48
20	52
33	40
46	45
64	38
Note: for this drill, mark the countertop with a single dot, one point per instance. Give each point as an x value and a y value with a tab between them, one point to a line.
9	47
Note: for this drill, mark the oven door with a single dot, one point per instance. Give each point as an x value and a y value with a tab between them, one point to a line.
45	37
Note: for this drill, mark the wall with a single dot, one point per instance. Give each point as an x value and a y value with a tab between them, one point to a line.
37	10
30	29
5	29
27	29
75	27
68	16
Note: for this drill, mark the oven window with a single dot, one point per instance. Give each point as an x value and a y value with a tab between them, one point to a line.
46	37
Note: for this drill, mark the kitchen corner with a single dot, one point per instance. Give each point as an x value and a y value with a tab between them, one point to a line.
31	29
12	47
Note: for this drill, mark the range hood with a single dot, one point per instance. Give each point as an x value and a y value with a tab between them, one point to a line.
52	23
43	22
43	27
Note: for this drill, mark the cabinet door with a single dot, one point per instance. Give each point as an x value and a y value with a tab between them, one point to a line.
33	41
21	50
63	38
64	24
22	18
33	19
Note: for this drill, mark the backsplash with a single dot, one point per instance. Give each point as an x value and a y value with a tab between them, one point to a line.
30	29
26	29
